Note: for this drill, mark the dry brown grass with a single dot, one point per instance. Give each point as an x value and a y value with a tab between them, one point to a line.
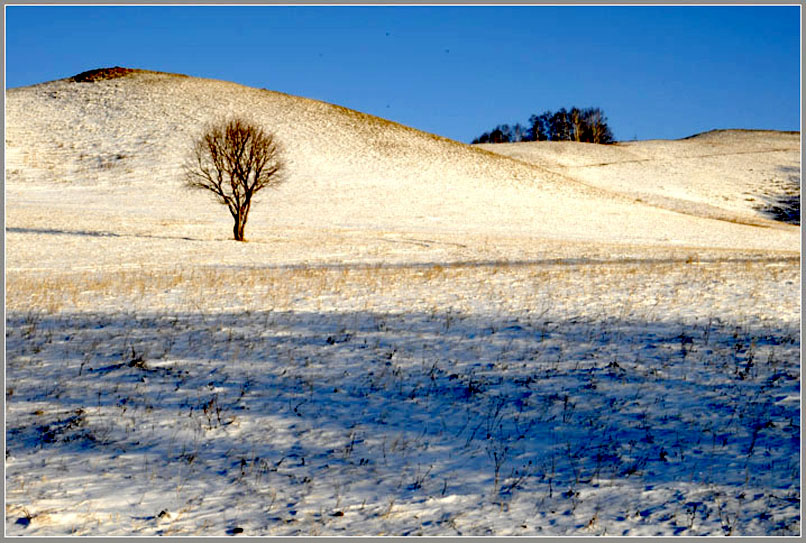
643	290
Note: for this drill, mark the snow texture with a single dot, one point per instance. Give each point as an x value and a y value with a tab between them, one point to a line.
419	337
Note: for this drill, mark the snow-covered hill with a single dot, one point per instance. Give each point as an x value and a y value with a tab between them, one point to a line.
104	156
420	337
746	176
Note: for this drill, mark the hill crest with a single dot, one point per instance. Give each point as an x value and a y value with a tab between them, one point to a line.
128	132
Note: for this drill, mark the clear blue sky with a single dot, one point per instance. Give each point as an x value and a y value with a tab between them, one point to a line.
657	72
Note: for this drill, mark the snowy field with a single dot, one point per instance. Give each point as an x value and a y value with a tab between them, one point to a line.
420	337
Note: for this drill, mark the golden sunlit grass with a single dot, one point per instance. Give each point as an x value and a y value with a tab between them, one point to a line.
499	286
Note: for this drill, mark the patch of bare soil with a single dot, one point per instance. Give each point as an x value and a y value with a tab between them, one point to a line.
102	74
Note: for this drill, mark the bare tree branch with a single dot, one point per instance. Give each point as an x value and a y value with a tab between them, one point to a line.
234	160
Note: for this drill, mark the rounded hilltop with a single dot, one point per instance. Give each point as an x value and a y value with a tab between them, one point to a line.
741	133
127	130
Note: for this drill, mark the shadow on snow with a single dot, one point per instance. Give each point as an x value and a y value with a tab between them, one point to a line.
423	403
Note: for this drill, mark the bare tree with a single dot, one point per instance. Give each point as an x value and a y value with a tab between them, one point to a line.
234	160
577	124
597	127
560	126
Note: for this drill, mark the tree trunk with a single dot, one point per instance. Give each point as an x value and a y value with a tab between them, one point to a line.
238	227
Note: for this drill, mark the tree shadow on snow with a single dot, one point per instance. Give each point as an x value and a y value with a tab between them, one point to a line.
88	233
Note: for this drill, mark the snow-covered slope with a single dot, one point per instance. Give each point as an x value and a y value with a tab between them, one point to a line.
733	175
104	155
421	337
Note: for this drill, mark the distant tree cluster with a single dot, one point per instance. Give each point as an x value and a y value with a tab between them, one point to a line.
587	125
